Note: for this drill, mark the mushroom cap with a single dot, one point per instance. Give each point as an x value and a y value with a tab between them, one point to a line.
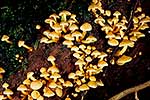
92	78
43	69
2	97
51	58
36	85
108	12
64	24
71	75
56	26
59	92
80	62
116	13
95	53
126	42
54	16
52	84
84	87
113	42
99	19
27	82
2	70
64	12
53	69
106	28
4	38
102	63
88	59
69	37
67	84
110	35
20	43
100	83
38	27
73	27
123	59
5	85
74	48
35	94
89	39
79	73
68	43
55	75
92	84
8	92
86	27
22	87
48	92
44	40
30	74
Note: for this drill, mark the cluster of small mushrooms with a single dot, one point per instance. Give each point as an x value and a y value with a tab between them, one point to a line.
114	24
78	39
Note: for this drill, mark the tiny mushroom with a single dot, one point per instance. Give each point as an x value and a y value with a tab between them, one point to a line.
68	43
30	76
2	71
51	59
38	27
116	14
53	69
77	35
100	20
92	84
5	38
54	16
67	84
55	76
113	42
73	27
22	44
89	39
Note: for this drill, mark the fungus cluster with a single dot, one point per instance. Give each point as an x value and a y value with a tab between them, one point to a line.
89	61
7	93
115	26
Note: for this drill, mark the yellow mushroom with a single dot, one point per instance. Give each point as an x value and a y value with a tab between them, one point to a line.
22	44
67	84
5	38
73	27
30	76
54	16
2	97
59	92
78	35
89	39
48	92
116	14
85	27
68	43
23	89
64	26
51	59
125	43
52	84
107	12
36	85
92	84
64	15
113	42
123	59
8	93
80	63
100	20
84	87
55	76
38	27
35	94
53	69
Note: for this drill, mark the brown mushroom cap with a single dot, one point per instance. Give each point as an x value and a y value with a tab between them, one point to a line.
36	85
123	59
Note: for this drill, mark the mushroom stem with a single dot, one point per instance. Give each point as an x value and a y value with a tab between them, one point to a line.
83	35
122	51
8	41
9	97
27	47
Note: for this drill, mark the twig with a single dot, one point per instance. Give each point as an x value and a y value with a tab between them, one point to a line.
130	90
